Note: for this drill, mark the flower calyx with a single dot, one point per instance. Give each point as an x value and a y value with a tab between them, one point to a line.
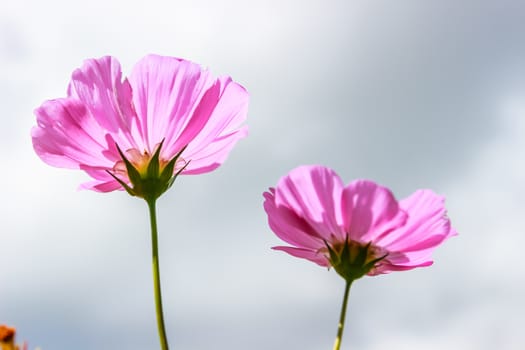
152	180
352	260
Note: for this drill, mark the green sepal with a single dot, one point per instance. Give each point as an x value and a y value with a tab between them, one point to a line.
133	174
154	163
362	254
372	263
349	259
334	258
172	180
122	183
153	182
167	172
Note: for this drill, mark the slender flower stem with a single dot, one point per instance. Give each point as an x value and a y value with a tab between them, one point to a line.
340	328
156	274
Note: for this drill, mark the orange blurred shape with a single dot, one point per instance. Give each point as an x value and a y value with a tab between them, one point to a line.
7	339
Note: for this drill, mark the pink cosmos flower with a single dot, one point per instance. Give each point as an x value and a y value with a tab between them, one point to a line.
169	117
167	105
359	228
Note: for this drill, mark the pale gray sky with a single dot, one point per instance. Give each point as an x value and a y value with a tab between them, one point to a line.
411	94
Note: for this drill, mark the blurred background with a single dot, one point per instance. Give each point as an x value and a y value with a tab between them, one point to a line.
412	94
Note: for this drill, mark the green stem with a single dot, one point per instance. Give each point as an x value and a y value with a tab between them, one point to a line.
156	274
340	328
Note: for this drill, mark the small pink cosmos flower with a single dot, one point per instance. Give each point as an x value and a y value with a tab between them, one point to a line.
165	101
312	210
357	229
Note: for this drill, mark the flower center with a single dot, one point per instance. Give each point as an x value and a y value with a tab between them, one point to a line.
141	161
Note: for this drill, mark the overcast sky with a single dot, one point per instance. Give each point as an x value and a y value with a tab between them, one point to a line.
411	94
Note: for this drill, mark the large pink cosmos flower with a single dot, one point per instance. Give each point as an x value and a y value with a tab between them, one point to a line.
323	219
169	117
165	100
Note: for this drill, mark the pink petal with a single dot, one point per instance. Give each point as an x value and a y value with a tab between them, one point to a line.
173	100
370	211
98	84
387	267
288	226
214	155
427	225
314	194
212	145
408	259
100	186
103	181
65	135
314	256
